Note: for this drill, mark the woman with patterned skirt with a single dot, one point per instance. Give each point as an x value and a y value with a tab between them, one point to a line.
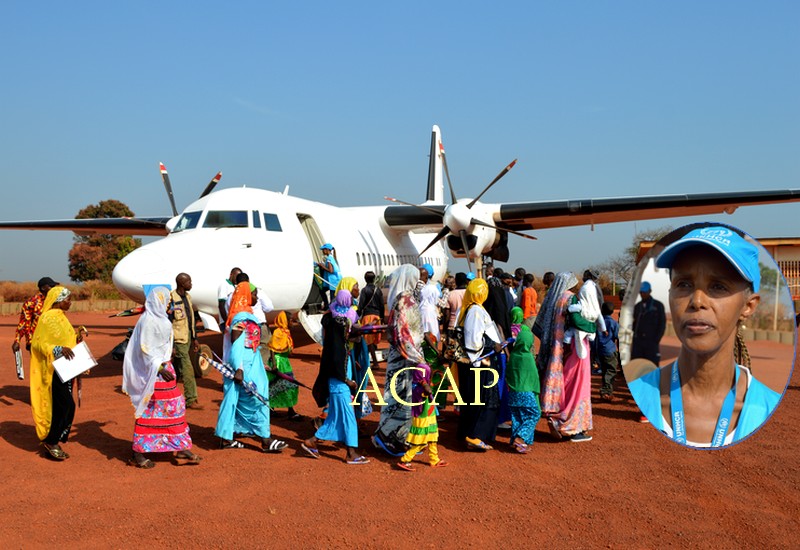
149	380
405	339
566	387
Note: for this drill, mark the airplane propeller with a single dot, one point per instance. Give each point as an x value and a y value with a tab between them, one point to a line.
168	186
457	217
211	185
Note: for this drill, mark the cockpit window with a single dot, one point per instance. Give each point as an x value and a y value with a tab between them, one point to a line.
188	220
271	222
226	218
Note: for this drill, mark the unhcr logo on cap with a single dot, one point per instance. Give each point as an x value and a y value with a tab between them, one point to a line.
716	234
741	254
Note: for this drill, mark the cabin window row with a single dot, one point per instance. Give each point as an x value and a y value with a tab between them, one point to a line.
373	259
216	219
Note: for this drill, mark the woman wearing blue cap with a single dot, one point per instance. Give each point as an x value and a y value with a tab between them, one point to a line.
329	269
708	397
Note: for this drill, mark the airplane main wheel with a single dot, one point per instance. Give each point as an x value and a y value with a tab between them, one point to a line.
201	366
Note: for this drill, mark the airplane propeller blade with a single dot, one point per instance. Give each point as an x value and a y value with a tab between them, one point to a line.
484	224
463	235
211	185
168	187
425	208
447	173
502	173
439	236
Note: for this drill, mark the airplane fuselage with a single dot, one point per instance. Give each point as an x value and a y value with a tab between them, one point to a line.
275	239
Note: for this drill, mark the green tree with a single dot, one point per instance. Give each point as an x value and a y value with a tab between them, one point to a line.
93	257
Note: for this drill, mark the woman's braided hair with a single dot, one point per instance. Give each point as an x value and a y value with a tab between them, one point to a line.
740	353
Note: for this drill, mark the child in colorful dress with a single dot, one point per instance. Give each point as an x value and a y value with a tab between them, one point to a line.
424	430
282	393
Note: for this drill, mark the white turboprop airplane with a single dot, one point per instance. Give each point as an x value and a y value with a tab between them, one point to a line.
248	228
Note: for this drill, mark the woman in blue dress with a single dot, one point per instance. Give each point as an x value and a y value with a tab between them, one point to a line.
241	412
335	381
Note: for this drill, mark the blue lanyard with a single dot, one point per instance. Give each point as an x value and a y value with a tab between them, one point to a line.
676	408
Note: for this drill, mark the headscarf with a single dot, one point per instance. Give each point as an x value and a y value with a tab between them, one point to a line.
404	279
55	295
56	330
546	320
281	341
429	311
53	329
347	283
517	317
249	339
342	306
150	345
498	304
241	299
405	318
476	294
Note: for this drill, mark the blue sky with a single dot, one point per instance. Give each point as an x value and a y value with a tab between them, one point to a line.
336	99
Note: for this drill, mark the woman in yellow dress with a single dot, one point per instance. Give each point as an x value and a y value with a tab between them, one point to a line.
51	399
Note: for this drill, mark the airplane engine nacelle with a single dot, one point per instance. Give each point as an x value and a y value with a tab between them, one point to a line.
481	240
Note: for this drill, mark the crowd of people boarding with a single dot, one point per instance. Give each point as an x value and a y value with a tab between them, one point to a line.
466	344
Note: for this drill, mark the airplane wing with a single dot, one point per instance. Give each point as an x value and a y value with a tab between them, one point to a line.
522	216
105	226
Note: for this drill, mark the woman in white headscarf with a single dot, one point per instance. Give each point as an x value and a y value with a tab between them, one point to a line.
149	379
405	339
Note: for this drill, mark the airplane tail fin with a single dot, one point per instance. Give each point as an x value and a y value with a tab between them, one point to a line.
435	192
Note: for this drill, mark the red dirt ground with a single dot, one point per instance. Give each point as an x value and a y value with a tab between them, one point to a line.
629	487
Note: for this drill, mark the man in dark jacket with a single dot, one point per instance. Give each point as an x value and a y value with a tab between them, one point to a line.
649	323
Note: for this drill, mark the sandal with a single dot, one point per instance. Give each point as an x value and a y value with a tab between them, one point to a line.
554	430
359	460
477	445
145	464
521	448
311	451
55	452
189	456
232	444
274	446
440	464
406	466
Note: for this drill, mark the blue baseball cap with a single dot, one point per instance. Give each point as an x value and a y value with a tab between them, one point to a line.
470	276
326	246
742	255
428	268
645	287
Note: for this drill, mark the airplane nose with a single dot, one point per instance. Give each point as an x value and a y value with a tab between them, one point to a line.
140	267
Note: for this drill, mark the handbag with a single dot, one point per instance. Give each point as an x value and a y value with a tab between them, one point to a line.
454	349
